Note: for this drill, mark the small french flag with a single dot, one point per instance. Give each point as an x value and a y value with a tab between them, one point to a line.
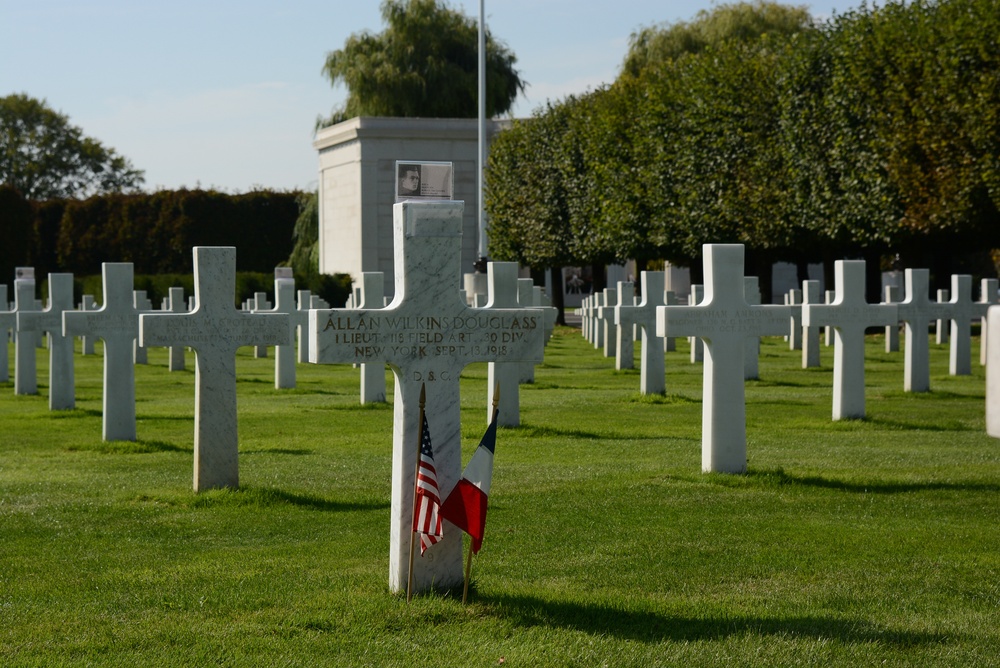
465	507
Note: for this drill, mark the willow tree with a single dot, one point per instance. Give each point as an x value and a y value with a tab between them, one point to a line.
425	63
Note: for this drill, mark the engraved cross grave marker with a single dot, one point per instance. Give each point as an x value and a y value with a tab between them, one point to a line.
724	321
215	329
427	334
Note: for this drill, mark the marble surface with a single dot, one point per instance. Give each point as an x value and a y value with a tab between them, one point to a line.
8	323
697	345
892	296
849	315
810	334
501	293
993	373
300	321
795	325
117	324
62	383
176	304
427	334
284	355
724	320
25	367
624	335
917	311
215	329
87	342
651	358
960	301
371	295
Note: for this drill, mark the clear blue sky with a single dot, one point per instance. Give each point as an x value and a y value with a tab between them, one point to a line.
225	94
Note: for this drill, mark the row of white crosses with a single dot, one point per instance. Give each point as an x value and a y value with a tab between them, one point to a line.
726	321
426	335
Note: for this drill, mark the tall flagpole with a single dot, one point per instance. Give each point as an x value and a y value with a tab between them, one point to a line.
481	158
416	475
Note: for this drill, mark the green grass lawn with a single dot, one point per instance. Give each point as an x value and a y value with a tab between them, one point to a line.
850	543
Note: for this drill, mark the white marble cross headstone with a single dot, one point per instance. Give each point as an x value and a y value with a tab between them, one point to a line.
25	366
176	304
87	342
597	325
810	335
62	384
549	312
300	320
427	335
916	311
669	299
624	339
502	286
526	299
795	327
941	324
849	315
284	354
142	305
259	304
724	321
651	357
8	322
117	324
215	329
960	351
606	314
892	330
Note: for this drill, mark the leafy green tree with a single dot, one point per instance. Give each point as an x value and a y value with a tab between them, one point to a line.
741	21
45	157
305	254
425	63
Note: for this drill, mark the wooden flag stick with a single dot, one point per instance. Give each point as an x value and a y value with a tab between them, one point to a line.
468	574
416	473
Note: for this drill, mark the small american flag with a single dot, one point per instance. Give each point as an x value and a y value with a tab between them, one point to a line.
427	499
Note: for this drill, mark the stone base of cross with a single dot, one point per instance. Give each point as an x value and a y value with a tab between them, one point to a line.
427	335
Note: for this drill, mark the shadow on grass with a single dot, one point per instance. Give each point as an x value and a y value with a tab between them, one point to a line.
279	451
549	432
660	399
76	413
642	626
248	496
953	425
778	477
139	447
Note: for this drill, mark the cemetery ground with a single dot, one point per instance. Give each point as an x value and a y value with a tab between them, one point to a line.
847	543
